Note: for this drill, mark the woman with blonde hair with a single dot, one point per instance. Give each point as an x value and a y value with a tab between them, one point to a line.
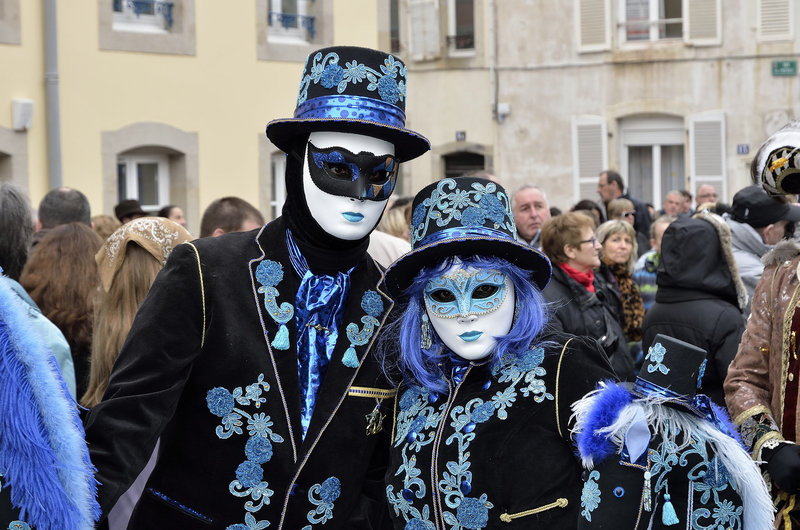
617	257
128	263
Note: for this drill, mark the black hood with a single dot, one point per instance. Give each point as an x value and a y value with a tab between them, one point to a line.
693	264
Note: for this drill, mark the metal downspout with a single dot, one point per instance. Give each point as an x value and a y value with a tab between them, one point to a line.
52	109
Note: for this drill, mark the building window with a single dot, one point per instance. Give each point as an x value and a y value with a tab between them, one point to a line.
651	20
290	20
143	16
461	26
458	163
9	22
277	183
144	178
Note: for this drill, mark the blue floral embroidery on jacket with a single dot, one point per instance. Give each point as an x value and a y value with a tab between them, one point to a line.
249	481
323	496
372	304
416	426
709	477
269	274
18	525
389	82
590	495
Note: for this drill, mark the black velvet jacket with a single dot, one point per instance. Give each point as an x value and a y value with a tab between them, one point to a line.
495	451
198	371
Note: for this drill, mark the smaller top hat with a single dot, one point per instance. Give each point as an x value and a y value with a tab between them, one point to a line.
672	369
777	162
352	90
128	208
463	216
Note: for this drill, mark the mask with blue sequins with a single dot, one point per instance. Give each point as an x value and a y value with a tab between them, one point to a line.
469	308
346	192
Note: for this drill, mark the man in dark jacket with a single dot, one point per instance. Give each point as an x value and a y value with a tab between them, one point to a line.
700	295
251	357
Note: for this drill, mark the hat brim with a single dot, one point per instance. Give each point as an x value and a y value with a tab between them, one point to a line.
407	143
401	273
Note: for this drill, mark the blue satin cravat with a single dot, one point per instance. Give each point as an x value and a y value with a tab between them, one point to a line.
319	307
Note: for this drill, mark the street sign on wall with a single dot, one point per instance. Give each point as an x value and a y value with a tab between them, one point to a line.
784	68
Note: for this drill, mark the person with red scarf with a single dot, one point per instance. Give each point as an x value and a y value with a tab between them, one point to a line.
582	302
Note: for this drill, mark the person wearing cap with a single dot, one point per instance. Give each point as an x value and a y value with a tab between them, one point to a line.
128	210
763	382
757	221
252	356
480	437
659	455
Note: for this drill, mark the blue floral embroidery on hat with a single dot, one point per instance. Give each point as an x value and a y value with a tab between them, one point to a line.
323	496
451	206
327	72
590	495
656	354
249	475
702	373
18	525
473	513
372	304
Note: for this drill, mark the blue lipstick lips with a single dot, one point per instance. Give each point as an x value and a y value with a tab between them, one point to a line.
471	336
353	217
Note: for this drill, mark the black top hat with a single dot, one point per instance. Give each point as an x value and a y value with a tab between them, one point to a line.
353	90
463	216
672	369
127	208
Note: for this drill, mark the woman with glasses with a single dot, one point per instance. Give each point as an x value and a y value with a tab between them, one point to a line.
624	210
582	303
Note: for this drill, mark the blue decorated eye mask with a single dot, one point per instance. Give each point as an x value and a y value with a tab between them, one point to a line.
465	292
337	171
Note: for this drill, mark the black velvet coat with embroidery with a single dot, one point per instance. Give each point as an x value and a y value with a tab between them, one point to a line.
198	371
495	451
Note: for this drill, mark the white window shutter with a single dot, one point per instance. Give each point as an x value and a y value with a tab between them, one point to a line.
702	22
424	29
707	150
593	25
589	154
775	20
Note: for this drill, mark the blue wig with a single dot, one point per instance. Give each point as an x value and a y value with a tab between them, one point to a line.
425	366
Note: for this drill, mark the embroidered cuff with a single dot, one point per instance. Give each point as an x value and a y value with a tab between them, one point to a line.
756	427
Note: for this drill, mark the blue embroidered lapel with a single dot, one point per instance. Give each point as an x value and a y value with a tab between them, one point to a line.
284	362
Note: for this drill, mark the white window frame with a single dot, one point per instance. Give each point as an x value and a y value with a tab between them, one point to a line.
277	33
278	183
127	19
452	24
589	152
132	184
654	22
769	31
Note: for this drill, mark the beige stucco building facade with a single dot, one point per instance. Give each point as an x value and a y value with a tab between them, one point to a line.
670	93
170	104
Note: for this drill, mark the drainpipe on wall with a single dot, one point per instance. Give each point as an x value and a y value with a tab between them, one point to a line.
52	109
493	58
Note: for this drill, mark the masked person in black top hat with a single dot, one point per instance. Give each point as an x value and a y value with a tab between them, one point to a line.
660	455
252	356
480	437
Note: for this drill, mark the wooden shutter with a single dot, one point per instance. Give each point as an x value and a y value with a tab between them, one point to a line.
424	29
589	155
593	25
775	20
702	22
707	151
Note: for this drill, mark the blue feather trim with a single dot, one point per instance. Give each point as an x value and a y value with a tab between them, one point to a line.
42	450
607	403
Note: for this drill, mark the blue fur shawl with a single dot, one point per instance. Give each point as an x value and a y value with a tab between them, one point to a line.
43	455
